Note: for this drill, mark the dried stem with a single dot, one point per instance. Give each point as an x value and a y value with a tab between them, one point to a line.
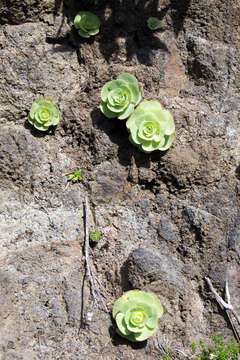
227	306
95	283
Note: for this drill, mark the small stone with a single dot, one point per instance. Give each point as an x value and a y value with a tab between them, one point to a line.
167	230
144	266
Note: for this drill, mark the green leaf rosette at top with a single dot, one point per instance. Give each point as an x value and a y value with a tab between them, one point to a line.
87	24
154	23
44	113
136	314
120	97
151	127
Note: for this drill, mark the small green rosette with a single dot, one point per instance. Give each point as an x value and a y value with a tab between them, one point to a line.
44	113
154	23
120	97
136	314
87	24
151	127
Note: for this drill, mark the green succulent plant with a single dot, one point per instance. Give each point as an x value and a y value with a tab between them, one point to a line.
154	23
44	113
94	236
136	314
119	97
87	24
151	127
77	176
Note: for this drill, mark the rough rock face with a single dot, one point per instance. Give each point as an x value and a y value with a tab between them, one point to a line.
167	219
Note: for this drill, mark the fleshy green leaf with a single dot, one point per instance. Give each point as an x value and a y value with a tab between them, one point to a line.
129	78
87	24
109	114
121	324
168	142
154	23
126	113
83	33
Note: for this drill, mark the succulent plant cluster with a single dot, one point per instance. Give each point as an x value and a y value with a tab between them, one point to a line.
75	177
87	24
150	126
44	113
119	97
136	314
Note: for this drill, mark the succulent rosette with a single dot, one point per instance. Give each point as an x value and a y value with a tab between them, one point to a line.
44	113
136	314
151	127
154	23
87	24
120	97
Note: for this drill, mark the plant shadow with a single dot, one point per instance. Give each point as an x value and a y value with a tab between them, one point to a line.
124	19
117	132
119	340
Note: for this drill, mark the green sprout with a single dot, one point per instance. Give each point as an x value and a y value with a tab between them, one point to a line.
136	313
154	23
94	236
77	176
151	127
220	350
87	24
44	113
119	97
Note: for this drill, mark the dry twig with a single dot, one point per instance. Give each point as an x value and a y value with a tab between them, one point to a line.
95	284
227	306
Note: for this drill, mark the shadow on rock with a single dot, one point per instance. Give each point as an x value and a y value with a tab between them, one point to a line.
37	133
118	340
126	20
117	132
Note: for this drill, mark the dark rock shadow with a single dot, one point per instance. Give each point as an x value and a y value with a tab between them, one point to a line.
118	134
126	20
37	133
237	172
179	10
118	340
125	283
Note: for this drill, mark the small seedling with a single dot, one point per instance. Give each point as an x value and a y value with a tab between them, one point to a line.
87	24
119	97
75	177
154	23
44	113
136	313
94	236
151	127
220	350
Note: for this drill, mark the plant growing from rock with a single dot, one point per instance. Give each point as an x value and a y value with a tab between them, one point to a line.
136	313
87	24
44	113
120	97
94	236
154	23
75	177
220	350
151	127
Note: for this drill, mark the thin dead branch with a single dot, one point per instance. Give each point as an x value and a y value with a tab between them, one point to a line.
96	287
227	306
